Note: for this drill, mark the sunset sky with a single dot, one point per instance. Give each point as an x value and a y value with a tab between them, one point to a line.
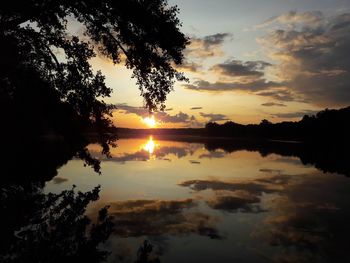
249	60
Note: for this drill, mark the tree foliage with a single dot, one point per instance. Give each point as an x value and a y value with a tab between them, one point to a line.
46	79
327	126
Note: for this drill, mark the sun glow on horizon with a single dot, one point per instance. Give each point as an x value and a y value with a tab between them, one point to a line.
150	121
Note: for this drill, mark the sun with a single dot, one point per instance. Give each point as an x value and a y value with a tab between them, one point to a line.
150	121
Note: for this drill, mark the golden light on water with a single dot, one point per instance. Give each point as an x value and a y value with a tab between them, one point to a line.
150	121
150	145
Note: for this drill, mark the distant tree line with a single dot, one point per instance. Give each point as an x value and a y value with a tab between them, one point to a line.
329	125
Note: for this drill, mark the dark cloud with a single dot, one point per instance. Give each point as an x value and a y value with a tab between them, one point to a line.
271	104
298	114
208	46
236	75
216	39
195	162
252	86
237	68
168	109
196	108
246	76
280	94
214	117
314	56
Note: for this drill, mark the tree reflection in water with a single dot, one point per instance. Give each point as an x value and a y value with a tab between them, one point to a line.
144	254
42	227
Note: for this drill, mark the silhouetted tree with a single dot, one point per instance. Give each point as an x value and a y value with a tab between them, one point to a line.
265	122
327	126
47	84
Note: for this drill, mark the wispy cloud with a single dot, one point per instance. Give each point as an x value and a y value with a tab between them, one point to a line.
196	108
214	117
238	68
253	86
208	46
272	104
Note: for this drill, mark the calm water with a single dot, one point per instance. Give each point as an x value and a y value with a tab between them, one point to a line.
196	203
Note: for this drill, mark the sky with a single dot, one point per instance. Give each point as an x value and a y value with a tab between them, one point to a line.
248	60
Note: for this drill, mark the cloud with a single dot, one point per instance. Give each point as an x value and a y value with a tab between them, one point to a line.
309	220
312	55
214	117
135	218
271	104
293	19
280	94
297	114
188	66
236	75
140	111
237	68
181	117
240	195
216	39
203	85
177	118
208	46
257	186
196	108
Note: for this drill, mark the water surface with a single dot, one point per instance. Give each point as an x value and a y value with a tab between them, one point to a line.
221	203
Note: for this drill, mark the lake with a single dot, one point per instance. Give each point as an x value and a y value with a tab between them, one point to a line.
218	201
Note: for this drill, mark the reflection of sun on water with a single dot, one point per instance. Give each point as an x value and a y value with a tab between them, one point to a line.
150	121
150	145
